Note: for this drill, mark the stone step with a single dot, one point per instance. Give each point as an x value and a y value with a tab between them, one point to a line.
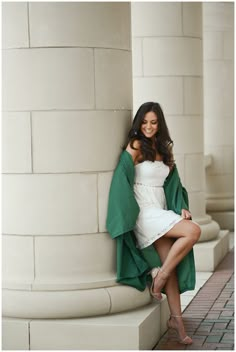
210	253
139	329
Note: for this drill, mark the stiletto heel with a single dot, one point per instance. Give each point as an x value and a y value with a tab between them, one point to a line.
155	272
186	340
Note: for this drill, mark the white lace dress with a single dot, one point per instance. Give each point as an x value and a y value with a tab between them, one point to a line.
154	219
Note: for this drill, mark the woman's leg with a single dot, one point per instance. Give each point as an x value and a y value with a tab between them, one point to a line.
164	246
186	234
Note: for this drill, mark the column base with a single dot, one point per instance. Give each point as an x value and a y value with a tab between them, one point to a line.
221	208
71	303
209	228
224	218
139	329
209	254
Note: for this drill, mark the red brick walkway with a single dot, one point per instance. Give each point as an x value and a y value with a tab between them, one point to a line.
209	318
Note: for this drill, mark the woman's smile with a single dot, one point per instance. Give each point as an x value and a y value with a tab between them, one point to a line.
148	131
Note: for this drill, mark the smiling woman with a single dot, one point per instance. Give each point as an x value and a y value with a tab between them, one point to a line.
169	229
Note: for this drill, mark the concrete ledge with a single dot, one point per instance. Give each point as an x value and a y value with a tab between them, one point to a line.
15	334
138	329
210	253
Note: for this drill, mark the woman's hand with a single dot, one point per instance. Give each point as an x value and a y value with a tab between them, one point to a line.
186	214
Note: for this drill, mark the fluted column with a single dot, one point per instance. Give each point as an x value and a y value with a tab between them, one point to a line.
218	27
67	101
167	68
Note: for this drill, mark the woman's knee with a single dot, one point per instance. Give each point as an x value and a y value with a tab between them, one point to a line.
195	232
187	229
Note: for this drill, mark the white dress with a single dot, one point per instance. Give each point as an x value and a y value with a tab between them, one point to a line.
154	219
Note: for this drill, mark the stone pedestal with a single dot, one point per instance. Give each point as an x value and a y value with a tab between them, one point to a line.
138	329
210	253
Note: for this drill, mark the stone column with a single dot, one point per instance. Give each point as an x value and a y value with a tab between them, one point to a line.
167	68
67	102
218	27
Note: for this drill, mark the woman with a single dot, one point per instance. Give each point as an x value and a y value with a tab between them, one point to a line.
172	235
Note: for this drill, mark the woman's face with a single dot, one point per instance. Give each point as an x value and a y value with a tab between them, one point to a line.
149	126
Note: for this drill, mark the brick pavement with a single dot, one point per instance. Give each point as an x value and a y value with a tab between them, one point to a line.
209	318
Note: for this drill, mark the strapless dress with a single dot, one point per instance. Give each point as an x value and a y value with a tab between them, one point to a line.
154	220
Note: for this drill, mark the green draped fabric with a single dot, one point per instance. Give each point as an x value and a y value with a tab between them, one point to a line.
134	264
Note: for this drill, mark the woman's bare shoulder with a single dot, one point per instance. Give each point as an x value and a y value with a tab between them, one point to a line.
135	153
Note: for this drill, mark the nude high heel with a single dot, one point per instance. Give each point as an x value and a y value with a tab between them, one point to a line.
154	273
186	340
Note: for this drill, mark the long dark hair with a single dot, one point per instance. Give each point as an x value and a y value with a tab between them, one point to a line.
163	142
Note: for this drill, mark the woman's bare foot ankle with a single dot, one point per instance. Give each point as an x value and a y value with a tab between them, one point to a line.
177	323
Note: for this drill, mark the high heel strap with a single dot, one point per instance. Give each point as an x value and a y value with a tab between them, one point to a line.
165	273
154	272
175	316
